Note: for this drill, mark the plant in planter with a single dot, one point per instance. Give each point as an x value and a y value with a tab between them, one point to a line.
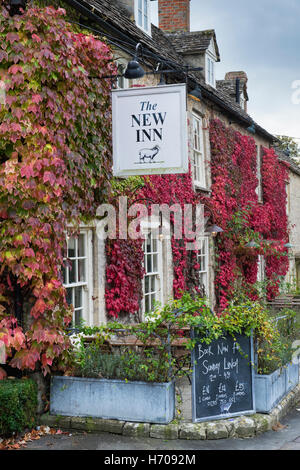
276	373
126	371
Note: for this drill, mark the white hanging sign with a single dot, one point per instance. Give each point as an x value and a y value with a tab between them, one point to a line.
149	130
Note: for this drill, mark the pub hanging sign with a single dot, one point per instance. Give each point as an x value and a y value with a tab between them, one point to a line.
150	130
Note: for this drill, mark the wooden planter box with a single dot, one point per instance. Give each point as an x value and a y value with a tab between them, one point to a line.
113	399
271	389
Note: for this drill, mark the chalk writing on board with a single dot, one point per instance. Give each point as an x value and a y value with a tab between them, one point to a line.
222	378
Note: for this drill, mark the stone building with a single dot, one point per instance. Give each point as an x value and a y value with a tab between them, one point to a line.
124	24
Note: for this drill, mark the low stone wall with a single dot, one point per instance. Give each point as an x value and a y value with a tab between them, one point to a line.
241	427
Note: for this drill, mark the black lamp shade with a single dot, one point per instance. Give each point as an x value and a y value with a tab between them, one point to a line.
196	93
252	244
251	129
134	70
214	230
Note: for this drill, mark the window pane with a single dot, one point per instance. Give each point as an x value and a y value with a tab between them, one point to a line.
140	18
81	270
78	297
78	317
149	264
147	303
71	248
81	245
146	284
148	244
153	299
72	272
155	263
64	274
69	296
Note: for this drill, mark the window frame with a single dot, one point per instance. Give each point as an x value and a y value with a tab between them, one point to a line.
210	69
259	189
261	268
199	168
204	272
137	10
86	285
156	274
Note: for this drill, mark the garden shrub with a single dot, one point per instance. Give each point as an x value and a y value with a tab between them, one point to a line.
126	365
18	404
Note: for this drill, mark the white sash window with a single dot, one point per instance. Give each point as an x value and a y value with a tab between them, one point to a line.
198	153
77	276
152	282
142	15
203	261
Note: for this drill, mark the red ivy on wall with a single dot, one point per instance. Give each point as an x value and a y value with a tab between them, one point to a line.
234	185
234	176
51	130
125	262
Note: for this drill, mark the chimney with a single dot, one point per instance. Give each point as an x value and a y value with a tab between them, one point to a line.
240	80
174	15
234	75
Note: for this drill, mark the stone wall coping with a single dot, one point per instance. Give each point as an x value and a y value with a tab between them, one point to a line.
240	427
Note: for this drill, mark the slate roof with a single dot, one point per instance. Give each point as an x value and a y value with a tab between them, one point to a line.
194	42
161	45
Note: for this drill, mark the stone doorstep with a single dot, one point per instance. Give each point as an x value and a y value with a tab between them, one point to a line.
242	427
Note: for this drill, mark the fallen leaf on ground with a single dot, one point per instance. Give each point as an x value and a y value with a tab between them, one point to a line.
278	427
14	443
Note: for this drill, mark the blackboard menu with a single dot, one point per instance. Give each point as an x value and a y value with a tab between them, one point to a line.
223	378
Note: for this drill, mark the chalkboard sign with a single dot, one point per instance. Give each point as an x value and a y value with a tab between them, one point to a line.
223	378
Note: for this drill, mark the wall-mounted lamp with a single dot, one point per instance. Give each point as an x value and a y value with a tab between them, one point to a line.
196	94
252	244
17	7
214	230
134	69
251	128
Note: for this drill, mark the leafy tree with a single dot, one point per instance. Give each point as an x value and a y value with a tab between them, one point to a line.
289	145
54	170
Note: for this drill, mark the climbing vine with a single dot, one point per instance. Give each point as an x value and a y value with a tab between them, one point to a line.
125	271
235	207
55	162
243	217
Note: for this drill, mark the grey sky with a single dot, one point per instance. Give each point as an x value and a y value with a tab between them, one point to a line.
262	38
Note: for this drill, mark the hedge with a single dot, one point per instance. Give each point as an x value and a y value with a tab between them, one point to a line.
18	405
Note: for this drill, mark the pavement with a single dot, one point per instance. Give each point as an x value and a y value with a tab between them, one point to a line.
286	438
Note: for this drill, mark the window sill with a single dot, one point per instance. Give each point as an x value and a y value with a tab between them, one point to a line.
198	187
144	30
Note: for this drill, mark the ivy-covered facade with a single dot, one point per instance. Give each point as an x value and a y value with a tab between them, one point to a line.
56	169
234	172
